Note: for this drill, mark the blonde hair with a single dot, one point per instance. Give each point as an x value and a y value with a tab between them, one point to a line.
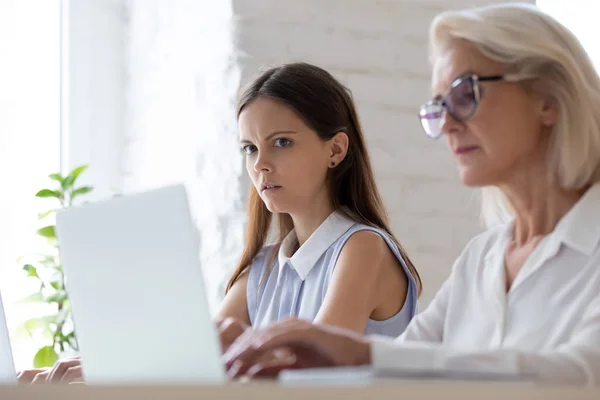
532	44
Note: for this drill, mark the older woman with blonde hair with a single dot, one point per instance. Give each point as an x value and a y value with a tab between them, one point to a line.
516	98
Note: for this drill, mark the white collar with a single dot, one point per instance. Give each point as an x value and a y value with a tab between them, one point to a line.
307	255
579	228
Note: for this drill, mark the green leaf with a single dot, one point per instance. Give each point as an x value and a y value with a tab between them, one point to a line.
49	193
81	190
56	284
33	298
72	340
20	333
31	270
69	336
47	232
57	298
72	177
35	324
49	262
45	357
57	177
45	214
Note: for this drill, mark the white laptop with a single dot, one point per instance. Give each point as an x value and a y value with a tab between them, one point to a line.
137	293
8	375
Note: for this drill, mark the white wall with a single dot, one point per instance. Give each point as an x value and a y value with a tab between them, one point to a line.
183	62
179	123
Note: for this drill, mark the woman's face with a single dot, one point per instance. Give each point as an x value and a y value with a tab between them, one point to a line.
506	131
286	160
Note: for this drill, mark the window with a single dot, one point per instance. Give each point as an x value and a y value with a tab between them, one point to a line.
29	144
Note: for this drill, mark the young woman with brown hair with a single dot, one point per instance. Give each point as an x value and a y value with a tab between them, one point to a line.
334	260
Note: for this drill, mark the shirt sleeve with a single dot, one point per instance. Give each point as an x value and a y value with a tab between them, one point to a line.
576	362
428	326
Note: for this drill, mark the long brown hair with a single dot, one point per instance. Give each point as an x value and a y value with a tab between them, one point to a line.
327	108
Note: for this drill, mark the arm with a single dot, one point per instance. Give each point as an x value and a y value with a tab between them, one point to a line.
575	362
232	319
235	304
326	343
356	283
428	326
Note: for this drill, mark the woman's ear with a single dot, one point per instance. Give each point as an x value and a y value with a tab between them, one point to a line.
549	111
338	148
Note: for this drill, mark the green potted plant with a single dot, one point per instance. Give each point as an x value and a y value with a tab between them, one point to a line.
53	333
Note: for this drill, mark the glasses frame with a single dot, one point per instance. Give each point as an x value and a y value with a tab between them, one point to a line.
441	102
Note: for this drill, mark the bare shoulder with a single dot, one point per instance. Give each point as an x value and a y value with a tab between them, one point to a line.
235	304
368	257
366	245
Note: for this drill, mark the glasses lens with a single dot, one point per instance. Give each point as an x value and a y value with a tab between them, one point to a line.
431	119
460	102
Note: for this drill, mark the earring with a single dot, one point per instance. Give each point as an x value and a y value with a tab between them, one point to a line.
332	164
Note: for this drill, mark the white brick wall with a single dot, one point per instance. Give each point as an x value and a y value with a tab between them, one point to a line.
164	111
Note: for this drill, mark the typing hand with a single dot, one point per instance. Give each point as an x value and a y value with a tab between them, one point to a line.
68	370
271	362
229	330
294	344
28	375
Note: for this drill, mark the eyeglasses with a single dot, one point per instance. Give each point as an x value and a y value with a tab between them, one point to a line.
460	102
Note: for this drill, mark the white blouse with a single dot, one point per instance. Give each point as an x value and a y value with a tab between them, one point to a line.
546	328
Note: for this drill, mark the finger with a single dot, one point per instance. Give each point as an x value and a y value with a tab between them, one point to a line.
61	367
248	340
263	356
251	346
227	327
42	377
28	375
220	322
73	374
232	325
239	342
267	371
271	368
229	333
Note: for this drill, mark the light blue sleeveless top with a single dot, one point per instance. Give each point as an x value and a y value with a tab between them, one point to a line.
296	286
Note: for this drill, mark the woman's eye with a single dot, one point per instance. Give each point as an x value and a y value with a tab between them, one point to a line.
249	149
282	142
463	94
